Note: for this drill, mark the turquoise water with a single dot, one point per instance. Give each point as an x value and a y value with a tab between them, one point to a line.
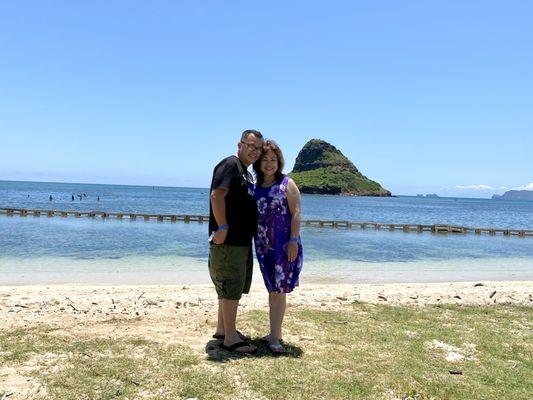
47	250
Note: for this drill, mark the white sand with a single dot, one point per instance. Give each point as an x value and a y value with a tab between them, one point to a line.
72	306
187	314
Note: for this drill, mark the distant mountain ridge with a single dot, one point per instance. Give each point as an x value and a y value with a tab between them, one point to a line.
321	168
515	195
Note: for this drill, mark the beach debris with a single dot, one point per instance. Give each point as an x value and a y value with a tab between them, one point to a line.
414	297
74	308
336	322
455	372
71	304
6	395
479	284
342	298
381	297
457	297
142	294
178	304
492	294
307	338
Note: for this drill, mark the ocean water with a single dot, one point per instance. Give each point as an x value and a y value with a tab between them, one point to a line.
36	250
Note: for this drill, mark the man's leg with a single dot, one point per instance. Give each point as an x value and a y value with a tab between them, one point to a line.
220	323
244	255
228	271
229	315
216	257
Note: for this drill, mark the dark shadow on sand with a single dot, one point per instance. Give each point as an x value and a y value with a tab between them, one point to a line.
217	354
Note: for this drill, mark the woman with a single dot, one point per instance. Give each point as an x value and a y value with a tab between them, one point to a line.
277	244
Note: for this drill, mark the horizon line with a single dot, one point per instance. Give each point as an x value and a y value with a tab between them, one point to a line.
201	187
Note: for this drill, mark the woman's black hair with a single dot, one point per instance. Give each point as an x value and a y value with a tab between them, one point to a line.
269	145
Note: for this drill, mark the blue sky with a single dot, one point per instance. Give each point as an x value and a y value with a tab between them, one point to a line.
424	97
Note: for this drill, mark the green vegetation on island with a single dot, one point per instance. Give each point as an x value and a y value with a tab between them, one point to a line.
321	168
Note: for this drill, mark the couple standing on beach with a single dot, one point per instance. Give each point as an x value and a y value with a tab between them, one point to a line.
268	211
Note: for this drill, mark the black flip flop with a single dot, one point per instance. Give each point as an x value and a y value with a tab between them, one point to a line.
233	348
222	337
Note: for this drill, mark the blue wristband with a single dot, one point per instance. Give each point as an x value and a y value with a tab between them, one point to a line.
293	239
223	227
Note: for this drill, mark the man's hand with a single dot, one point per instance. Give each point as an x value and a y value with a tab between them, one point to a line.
220	236
292	251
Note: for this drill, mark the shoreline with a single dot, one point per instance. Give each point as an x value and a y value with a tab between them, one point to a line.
147	270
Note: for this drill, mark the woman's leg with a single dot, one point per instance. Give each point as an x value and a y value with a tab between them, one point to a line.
277	303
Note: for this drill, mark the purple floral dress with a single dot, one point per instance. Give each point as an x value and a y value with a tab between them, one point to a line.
273	234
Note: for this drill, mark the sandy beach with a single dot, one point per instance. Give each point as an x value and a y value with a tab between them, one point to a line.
187	313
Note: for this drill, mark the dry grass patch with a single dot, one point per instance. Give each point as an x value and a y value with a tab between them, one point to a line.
355	351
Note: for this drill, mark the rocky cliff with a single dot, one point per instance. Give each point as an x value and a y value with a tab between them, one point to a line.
321	168
515	195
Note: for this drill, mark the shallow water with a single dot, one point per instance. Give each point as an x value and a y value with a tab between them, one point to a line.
40	250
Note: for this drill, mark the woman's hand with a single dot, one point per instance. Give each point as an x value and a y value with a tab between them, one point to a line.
292	251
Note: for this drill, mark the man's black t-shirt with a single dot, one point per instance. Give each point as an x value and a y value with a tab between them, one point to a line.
241	209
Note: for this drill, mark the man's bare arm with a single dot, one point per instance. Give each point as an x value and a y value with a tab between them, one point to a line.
218	205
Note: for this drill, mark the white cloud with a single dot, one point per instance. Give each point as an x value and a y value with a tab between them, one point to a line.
529	186
474	187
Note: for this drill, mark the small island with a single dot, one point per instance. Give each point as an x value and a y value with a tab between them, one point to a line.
515	195
321	168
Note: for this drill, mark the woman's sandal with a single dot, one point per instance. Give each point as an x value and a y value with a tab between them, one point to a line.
233	348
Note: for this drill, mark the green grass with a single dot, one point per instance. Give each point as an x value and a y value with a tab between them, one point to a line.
363	351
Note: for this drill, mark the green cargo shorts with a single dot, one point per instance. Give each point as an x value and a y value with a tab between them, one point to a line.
230	268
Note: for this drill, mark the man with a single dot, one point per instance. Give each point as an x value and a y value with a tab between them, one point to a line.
232	225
